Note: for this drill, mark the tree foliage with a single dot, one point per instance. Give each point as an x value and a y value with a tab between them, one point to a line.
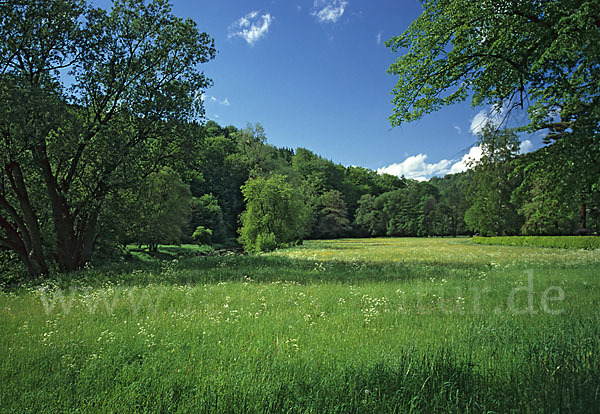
66	148
163	208
419	209
501	52
556	192
369	218
332	216
542	56
207	213
202	235
323	174
491	211
275	214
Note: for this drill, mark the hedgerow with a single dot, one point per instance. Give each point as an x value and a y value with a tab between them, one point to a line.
561	242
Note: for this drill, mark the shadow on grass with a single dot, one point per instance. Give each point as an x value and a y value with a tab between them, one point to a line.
256	268
169	252
412	381
143	255
442	383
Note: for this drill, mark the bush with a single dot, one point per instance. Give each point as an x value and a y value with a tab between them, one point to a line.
266	242
202	235
275	214
561	242
207	212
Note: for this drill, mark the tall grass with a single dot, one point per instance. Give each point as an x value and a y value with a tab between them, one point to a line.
387	325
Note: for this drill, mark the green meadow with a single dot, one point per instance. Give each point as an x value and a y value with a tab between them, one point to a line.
351	325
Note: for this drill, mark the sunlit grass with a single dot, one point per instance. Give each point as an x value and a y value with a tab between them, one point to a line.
443	251
381	325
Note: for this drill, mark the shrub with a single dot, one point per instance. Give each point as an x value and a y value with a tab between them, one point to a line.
561	242
275	214
202	235
266	242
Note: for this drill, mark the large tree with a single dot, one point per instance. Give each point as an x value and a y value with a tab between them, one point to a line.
163	210
369	216
331	216
556	192
207	212
91	102
491	210
499	52
275	214
542	56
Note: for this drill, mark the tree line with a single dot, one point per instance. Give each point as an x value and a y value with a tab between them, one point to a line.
104	144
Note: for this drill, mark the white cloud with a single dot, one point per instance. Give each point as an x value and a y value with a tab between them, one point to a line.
251	27
493	116
526	146
458	130
329	11
479	121
215	100
474	155
199	95
416	168
245	21
378	37
497	115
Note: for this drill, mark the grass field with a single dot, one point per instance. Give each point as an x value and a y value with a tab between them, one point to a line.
379	325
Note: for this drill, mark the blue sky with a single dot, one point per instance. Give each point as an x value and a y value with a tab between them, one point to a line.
313	73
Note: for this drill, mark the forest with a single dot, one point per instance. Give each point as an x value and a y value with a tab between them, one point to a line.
105	144
231	187
153	260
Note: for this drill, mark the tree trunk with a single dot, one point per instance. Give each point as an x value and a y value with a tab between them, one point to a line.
31	235
15	243
583	216
88	236
67	246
